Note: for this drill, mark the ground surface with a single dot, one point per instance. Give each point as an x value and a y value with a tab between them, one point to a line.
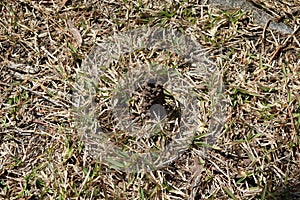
42	46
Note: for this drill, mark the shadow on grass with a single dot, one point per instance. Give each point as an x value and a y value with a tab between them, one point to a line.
290	191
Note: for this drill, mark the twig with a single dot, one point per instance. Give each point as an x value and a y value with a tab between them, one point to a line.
264	37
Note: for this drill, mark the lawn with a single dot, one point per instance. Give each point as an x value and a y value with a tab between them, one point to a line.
240	99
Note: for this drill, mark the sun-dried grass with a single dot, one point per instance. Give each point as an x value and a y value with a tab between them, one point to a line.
42	46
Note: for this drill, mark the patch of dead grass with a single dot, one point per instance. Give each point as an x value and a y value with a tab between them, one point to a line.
42	45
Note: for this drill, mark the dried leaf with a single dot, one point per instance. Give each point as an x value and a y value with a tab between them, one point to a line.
75	33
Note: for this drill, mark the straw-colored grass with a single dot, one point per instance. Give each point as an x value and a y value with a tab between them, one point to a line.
42	47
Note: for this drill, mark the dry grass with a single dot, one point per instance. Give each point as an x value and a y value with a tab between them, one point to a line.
42	46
